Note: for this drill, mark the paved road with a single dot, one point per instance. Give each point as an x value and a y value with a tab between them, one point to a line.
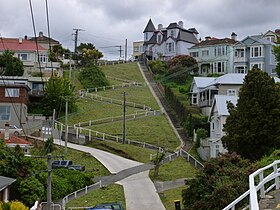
140	192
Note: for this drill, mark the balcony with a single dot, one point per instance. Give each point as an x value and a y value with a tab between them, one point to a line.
36	93
240	59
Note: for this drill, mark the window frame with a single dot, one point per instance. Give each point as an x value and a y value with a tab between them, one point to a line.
12	92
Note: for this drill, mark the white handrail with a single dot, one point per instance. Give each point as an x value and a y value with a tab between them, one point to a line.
254	189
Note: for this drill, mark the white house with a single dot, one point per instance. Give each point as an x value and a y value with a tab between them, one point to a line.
212	146
228	84
165	43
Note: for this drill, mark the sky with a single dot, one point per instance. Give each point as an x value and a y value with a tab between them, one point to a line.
108	23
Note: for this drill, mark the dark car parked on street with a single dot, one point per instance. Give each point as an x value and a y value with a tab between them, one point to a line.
107	206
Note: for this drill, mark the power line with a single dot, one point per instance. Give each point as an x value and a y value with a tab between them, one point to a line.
49	34
76	37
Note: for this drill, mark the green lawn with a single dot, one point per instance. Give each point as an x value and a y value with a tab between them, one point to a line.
92	110
169	196
175	169
135	94
110	193
128	71
127	151
153	129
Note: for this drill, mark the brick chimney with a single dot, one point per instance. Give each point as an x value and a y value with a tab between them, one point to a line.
41	34
234	36
7	134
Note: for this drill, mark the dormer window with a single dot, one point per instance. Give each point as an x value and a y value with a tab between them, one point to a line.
172	33
146	36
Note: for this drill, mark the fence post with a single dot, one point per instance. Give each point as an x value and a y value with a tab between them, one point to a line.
77	133
103	136
86	190
262	188
277	178
89	134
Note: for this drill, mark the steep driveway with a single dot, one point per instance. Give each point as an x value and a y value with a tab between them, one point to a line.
140	192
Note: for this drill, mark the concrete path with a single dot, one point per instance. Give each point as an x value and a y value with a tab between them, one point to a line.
140	192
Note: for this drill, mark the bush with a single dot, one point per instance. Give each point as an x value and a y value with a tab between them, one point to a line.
197	121
92	76
201	134
158	66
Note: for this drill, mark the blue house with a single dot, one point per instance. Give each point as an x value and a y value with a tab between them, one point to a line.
254	51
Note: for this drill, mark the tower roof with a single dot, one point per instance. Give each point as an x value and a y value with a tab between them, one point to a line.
150	27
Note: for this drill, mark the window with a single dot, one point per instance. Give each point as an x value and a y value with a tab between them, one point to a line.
136	49
217	148
159	38
172	33
22	56
194	54
239	53
205	53
11	92
5	113
258	65
194	99
170	47
220	67
37	86
231	92
146	36
218	51
241	69
43	58
256	52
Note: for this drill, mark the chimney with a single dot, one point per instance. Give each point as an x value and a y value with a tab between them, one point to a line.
6	134
20	40
234	36
41	34
277	31
208	38
159	26
25	37
181	24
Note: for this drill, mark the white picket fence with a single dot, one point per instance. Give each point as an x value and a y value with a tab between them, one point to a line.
86	94
257	186
118	118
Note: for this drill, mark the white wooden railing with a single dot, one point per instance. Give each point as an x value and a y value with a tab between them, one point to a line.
257	188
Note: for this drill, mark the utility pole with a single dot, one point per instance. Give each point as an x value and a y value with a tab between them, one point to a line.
66	124
49	185
120	50
124	134
49	181
125	52
76	37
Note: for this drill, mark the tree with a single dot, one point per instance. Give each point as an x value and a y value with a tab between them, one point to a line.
157	162
221	181
276	52
57	89
10	65
88	54
91	76
253	126
180	67
57	52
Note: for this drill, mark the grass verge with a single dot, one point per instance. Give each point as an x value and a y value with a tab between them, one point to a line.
167	197
110	193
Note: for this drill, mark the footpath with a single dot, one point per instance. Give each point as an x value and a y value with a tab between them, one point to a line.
186	143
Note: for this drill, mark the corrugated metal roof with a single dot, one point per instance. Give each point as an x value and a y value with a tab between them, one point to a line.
5	182
221	103
202	82
230	78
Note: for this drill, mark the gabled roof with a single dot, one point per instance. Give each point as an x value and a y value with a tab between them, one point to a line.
5	182
257	39
150	27
212	42
202	82
44	39
220	101
229	79
19	45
